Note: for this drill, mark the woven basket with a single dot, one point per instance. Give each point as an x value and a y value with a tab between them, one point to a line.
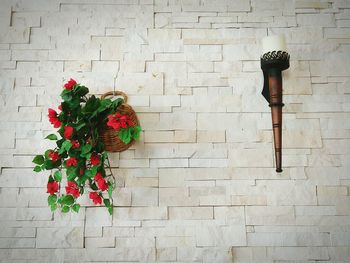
108	135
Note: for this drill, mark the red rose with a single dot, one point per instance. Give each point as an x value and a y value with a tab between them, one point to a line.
54	156
101	183
52	187
75	144
118	121
72	189
94	159
72	162
95	197
53	118
70	84
68	132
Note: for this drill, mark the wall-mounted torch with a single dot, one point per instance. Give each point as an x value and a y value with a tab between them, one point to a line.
274	60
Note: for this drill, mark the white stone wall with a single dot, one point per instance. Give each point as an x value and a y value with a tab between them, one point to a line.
201	185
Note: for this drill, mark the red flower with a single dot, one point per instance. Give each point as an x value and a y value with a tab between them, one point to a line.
68	132
52	187
94	159
118	121
72	189
52	113
95	197
75	144
70	84
98	176
54	156
101	183
53	118
72	162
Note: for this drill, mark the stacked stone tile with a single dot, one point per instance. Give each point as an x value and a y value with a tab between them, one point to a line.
200	185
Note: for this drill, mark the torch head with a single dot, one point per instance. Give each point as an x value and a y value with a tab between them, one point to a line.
274	57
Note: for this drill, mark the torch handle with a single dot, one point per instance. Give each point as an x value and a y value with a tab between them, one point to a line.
276	104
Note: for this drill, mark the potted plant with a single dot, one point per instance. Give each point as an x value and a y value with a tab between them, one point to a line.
84	123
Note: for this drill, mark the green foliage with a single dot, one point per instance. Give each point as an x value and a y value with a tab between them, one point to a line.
71	173
66	95
65	209
37	169
110	210
49	165
53	207
106	202
85	150
66	200
110	189
39	159
52	137
52	199
76	208
126	135
57	176
94	170
66	145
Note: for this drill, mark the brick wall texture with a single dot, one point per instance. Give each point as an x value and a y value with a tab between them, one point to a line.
200	186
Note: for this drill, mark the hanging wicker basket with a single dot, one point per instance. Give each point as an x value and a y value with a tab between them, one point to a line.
108	135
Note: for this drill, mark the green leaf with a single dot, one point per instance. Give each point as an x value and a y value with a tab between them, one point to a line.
71	173
110	210
79	126
81	90
86	149
94	170
66	95
74	103
57	176
124	135
116	103
93	186
110	190
66	145
106	202
37	169
105	104
88	156
39	159
53	207
88	173
52	199
51	137
60	142
90	106
67	200
65	209
135	132
49	165
81	180
76	208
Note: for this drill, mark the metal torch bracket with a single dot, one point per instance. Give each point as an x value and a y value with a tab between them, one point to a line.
272	64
